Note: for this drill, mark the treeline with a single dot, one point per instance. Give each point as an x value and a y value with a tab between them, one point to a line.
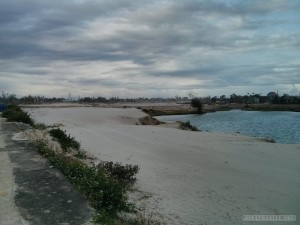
271	98
129	100
12	99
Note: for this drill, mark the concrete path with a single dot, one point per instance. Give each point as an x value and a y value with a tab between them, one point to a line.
9	214
32	192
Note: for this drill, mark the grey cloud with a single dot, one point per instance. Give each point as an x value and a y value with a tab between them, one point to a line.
209	40
98	82
65	20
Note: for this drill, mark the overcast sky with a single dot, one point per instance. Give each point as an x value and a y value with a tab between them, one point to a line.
147	48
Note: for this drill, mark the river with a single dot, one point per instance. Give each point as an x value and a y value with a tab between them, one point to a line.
283	127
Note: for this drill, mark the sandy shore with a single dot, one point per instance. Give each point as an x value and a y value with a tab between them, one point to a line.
189	177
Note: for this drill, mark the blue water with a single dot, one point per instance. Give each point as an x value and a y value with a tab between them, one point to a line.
283	127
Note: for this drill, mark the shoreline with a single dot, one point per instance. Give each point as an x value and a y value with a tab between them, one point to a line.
181	108
162	109
188	177
257	124
170	109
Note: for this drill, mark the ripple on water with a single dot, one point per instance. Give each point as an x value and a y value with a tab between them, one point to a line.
283	127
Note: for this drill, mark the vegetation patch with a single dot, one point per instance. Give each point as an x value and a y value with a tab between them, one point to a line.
149	120
269	140
125	173
40	126
105	192
197	103
66	141
167	112
187	126
15	114
105	186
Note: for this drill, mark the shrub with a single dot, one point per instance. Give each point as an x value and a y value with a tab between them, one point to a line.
15	114
125	173
196	103
149	120
66	141
188	126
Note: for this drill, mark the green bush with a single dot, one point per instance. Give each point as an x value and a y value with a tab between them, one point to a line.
125	173
196	103
15	114
66	141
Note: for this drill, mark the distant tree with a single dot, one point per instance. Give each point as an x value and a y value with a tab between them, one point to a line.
236	98
12	99
196	103
214	99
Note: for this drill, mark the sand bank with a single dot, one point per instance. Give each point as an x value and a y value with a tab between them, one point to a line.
189	177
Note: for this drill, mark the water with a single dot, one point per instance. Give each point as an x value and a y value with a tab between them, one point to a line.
283	127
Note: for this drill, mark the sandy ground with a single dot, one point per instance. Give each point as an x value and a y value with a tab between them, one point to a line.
189	177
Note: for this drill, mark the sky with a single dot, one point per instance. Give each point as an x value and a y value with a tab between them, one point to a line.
157	48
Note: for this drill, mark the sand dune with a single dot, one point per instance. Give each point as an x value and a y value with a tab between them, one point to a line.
189	177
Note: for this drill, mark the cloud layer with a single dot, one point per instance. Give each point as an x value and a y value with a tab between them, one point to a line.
149	48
